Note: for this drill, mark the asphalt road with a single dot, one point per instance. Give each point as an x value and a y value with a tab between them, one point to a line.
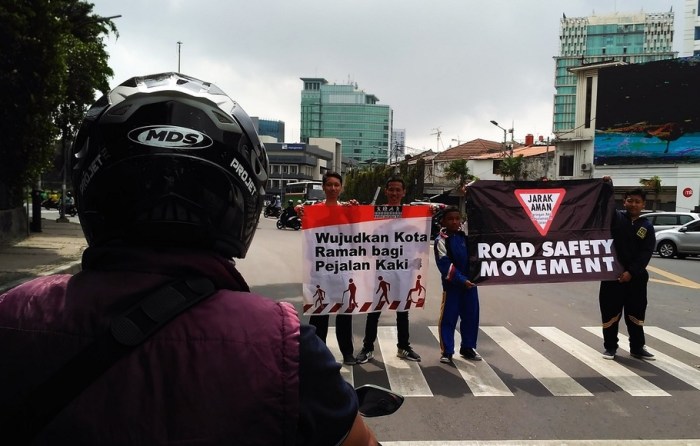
542	378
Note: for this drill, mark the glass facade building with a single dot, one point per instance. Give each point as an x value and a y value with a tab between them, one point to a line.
632	38
267	127
348	114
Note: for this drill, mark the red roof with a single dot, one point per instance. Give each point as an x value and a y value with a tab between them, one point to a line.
525	151
470	150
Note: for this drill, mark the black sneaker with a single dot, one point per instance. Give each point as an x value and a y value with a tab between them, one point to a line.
408	353
364	356
642	353
609	354
349	360
469	353
445	358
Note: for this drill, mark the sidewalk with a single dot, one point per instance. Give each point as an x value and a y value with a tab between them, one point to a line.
57	249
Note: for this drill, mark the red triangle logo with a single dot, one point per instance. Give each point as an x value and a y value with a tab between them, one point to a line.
541	206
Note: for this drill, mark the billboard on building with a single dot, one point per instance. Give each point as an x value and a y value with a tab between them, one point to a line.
648	113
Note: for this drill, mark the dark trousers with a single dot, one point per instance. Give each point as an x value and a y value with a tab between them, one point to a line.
343	330
371	330
630	297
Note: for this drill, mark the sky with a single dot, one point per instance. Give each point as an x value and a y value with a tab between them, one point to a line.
446	67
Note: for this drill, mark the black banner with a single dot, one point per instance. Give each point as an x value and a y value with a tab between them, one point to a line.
540	231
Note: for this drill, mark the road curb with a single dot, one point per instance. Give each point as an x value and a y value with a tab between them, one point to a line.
68	268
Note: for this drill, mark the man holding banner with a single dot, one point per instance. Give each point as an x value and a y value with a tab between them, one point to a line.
346	251
634	241
395	190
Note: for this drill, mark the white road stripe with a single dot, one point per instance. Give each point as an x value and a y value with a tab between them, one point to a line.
479	376
551	376
684	372
405	377
695	330
627	380
684	441
332	343
677	341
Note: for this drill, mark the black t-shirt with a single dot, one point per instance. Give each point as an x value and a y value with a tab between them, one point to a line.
327	403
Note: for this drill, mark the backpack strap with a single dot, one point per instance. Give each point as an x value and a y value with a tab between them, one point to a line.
24	419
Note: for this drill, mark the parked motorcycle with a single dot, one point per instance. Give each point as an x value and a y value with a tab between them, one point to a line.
49	204
293	222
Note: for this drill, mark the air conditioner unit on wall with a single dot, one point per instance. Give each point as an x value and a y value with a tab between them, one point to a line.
586	167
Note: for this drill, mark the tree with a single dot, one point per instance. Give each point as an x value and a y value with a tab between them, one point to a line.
653	183
459	171
512	166
52	60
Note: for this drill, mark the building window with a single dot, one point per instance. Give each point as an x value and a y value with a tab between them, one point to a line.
497	167
566	165
589	101
697	33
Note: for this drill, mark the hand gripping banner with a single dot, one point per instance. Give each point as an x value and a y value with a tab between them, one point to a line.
541	231
360	259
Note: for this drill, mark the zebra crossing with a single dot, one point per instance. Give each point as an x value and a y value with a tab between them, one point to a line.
408	378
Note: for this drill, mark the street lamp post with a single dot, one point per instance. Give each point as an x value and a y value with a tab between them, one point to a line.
505	134
179	45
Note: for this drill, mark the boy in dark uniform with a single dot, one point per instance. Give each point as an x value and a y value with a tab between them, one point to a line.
633	236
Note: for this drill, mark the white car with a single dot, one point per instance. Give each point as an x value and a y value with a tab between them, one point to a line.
670	220
679	242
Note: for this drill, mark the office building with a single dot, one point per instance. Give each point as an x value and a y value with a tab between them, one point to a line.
398	145
691	28
267	127
631	38
349	114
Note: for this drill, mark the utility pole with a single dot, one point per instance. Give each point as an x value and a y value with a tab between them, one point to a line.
179	45
438	133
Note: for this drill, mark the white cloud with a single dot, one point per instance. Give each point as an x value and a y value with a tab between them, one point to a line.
448	64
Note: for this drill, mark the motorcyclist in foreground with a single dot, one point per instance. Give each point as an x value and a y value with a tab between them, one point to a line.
169	178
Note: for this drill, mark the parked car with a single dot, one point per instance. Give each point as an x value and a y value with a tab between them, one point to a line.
670	220
679	242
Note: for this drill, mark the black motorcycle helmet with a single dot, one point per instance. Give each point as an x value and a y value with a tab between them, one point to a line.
169	160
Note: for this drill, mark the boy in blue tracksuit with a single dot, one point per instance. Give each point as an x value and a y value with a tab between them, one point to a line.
460	298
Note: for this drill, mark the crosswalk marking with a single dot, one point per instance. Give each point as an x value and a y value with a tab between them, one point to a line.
695	330
619	442
345	370
669	365
478	375
627	380
551	376
675	340
405	377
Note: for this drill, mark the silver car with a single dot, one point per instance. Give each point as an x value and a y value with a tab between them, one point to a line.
679	242
669	220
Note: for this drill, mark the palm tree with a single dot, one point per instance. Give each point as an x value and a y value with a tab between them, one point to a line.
512	166
458	170
653	183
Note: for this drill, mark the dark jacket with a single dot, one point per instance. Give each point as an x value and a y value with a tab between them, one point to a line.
634	242
226	371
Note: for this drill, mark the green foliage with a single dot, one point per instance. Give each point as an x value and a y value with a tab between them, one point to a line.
653	183
459	171
362	184
52	60
512	166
